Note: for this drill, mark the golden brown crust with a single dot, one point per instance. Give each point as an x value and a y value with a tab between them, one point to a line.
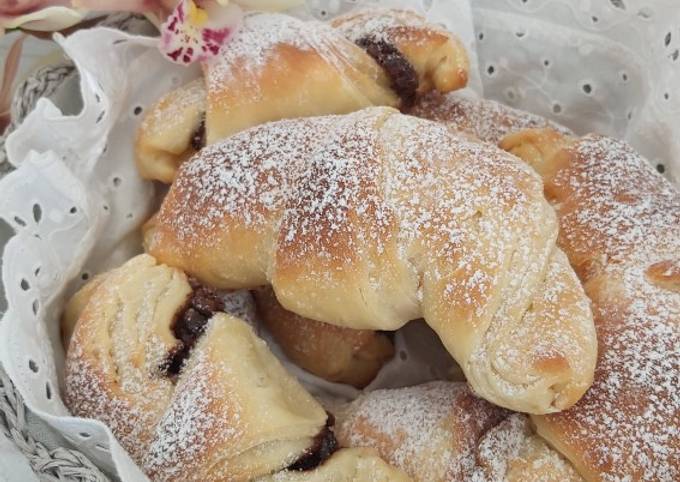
665	274
441	432
620	226
164	138
438	57
279	67
484	119
536	461
337	354
328	74
110	379
232	413
324	210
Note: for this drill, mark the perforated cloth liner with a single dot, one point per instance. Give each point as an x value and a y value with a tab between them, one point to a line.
76	200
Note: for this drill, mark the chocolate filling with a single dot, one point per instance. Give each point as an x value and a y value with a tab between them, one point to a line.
190	324
198	136
322	448
403	77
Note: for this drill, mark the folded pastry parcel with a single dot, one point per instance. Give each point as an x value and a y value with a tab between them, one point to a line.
191	392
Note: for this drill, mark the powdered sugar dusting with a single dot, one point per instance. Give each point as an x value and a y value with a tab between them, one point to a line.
193	424
485	119
388	25
336	193
112	367
186	428
170	112
512	451
619	219
429	431
632	212
129	418
374	192
498	447
312	173
620	225
247	178
440	431
259	38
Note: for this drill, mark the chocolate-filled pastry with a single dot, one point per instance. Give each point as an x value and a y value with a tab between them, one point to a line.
441	432
337	354
190	392
375	218
620	227
171	132
485	119
345	465
277	66
407	45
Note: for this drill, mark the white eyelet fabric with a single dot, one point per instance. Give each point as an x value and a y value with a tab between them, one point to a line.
75	200
606	66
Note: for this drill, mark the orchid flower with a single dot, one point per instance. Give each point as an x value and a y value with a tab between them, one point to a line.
191	29
196	30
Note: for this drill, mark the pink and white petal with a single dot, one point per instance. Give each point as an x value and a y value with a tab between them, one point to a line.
269	5
191	34
177	39
48	19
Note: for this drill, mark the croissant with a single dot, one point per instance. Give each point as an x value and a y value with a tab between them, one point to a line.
189	391
484	119
620	226
278	67
438	58
171	132
337	354
375	218
441	432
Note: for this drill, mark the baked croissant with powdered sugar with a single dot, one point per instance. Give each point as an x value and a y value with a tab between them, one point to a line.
375	218
620	228
278	67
